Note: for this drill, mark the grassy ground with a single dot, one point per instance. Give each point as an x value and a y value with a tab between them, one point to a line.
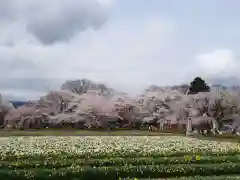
51	132
54	132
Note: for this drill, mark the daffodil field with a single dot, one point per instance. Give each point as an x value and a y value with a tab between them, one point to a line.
117	157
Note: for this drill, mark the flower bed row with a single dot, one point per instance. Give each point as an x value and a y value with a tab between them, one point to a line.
113	172
58	163
111	146
221	177
91	155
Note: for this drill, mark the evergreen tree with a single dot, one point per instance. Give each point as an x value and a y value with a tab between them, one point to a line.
198	85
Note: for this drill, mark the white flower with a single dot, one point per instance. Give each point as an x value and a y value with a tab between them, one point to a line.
110	145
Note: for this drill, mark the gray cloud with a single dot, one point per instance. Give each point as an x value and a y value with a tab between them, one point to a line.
7	10
27	88
37	85
14	65
57	21
63	21
22	79
8	42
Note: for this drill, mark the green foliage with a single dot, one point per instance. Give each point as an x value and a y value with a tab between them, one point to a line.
116	161
113	172
198	85
125	155
112	167
223	177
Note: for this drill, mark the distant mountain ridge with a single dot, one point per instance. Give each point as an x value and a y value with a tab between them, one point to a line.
224	81
16	104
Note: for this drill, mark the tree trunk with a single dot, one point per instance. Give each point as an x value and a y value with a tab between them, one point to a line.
161	126
189	126
179	126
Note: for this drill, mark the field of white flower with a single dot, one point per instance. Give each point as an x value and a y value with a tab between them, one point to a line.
112	145
108	157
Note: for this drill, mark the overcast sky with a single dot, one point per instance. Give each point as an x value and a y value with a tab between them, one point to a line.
128	44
